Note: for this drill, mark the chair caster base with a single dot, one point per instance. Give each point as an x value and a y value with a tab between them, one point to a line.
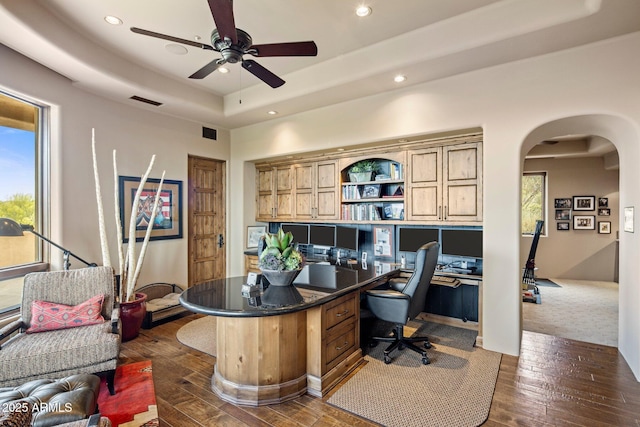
425	361
387	360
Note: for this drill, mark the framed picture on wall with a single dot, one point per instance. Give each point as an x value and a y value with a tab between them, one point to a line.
254	233
628	219
584	203
604	227
584	222
562	203
563	214
604	211
603	202
562	226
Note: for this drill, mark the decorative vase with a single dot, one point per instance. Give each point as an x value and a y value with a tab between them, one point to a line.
132	314
281	278
360	176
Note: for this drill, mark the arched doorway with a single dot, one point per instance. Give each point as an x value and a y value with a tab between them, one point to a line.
624	135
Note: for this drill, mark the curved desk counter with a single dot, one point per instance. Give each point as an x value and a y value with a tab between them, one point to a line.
271	353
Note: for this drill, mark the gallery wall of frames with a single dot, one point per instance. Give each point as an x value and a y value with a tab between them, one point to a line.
583	213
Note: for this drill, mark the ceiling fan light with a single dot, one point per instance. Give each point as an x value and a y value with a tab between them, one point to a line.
399	78
113	20
223	70
363	11
272	112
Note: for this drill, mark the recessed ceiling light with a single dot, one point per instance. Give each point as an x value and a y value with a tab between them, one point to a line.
272	112
223	70
363	11
340	149
113	20
176	49
399	78
197	38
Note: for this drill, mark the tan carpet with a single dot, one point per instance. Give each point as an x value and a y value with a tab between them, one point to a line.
456	389
199	334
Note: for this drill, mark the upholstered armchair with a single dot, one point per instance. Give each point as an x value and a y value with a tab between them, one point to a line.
57	341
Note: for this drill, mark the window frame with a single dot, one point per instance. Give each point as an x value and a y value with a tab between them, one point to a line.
545	193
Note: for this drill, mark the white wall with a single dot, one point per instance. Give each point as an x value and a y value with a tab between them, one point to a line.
509	102
576	254
136	134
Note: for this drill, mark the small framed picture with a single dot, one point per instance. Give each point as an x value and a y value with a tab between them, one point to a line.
562	203
584	203
562	226
604	227
628	219
382	241
603	202
604	211
563	214
254	233
584	222
371	191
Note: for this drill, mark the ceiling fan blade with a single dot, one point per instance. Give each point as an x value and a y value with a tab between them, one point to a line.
171	38
285	49
262	73
222	11
207	69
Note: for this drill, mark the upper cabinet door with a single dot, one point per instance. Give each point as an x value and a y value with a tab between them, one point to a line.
462	182
424	197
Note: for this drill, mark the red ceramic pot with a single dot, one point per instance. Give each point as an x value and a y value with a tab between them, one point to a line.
132	314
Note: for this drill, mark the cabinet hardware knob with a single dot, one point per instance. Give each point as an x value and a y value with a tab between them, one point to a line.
342	314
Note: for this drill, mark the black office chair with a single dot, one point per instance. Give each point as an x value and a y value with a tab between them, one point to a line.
404	300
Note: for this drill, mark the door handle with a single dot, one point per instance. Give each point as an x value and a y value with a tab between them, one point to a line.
220	240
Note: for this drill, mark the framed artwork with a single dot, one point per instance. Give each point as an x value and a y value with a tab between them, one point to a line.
562	203
628	219
584	203
604	211
168	220
393	211
604	227
254	233
563	214
584	222
562	226
603	202
382	241
371	191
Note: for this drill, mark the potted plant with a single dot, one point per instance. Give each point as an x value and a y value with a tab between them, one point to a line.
279	261
363	170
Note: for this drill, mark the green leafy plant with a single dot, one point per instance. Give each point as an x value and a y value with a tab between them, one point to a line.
365	166
280	254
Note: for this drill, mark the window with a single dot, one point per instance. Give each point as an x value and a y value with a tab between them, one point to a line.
21	170
533	200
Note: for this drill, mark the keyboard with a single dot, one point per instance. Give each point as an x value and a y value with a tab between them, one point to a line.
445	280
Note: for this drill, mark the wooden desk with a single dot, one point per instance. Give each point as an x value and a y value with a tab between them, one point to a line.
271	354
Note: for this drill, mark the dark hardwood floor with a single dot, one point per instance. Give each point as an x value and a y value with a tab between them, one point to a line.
554	382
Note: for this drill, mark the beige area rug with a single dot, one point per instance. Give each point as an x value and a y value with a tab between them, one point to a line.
456	389
199	334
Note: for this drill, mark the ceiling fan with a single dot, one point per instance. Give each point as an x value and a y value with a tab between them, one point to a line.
233	43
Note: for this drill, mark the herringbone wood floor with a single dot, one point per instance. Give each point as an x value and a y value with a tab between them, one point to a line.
554	382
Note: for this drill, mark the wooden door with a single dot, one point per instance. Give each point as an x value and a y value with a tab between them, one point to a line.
207	220
265	195
303	174
284	193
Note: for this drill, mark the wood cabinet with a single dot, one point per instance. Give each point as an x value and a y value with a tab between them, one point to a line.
274	193
251	264
315	190
445	183
333	342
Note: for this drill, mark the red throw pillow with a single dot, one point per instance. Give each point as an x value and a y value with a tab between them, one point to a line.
49	316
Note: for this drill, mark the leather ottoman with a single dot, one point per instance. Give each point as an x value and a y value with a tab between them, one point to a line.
53	402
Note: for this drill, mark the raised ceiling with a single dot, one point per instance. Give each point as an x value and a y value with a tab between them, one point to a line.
422	39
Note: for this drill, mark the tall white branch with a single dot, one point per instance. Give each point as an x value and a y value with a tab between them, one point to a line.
116	196
104	245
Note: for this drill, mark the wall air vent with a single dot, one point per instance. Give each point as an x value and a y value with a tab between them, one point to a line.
146	101
209	133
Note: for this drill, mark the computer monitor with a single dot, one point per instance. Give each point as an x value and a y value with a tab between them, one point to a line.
466	243
411	238
347	238
300	232
322	235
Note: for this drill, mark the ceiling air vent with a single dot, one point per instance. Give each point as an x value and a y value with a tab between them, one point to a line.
146	101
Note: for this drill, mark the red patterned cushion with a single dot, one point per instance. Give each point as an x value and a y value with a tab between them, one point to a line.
49	316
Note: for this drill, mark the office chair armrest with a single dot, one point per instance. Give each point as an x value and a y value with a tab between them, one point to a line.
9	329
389	305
